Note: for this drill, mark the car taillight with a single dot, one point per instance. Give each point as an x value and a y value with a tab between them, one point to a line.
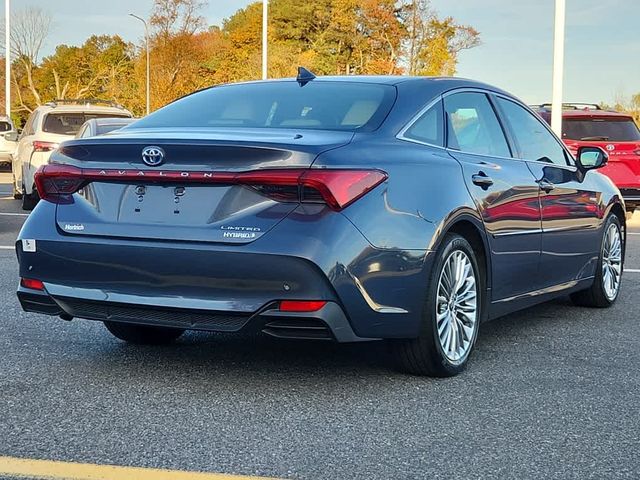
338	188
39	146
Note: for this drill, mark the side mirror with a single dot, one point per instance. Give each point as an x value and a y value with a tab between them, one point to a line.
11	136
590	158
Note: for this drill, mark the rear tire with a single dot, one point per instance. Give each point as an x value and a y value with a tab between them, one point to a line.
16	194
29	200
143	334
601	294
451	314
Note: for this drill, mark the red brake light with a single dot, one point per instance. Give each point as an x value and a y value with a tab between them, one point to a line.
337	188
301	305
39	146
32	284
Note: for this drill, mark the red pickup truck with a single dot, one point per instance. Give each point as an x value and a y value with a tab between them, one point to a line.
616	133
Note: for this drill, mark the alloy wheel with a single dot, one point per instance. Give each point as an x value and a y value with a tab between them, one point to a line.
611	261
457	306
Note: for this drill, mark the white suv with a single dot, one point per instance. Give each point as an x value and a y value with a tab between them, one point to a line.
46	127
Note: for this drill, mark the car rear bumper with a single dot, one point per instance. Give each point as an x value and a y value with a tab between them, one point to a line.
328	323
370	293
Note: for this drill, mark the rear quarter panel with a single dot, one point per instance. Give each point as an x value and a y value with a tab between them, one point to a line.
424	191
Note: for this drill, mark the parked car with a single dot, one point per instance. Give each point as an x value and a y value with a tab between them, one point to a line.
46	127
617	133
337	208
102	126
7	146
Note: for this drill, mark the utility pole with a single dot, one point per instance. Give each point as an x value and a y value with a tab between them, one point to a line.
264	38
7	57
558	68
146	41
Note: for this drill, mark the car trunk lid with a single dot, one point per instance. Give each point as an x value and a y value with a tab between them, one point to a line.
185	197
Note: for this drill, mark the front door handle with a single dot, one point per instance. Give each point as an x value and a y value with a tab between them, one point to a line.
546	185
481	179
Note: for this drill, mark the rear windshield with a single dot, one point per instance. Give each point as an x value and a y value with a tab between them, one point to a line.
623	130
5	127
317	106
70	123
102	129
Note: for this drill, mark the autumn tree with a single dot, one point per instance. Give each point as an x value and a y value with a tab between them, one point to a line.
433	44
328	36
29	29
178	50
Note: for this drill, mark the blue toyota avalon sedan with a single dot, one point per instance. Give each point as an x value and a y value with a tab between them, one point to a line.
336	208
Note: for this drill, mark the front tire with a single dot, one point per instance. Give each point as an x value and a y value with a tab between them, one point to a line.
606	285
17	194
143	334
451	314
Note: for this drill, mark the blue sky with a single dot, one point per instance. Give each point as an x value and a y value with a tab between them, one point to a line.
602	57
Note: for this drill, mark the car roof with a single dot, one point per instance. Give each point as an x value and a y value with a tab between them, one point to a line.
587	112
82	108
594	113
452	82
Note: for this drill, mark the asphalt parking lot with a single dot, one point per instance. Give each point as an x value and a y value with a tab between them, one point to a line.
551	392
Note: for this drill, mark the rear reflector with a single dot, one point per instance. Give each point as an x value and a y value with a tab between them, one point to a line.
301	305
337	188
32	284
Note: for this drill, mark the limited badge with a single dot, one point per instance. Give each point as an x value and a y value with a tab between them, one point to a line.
28	245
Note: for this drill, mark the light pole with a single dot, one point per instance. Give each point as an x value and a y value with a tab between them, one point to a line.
7	58
558	68
264	38
146	41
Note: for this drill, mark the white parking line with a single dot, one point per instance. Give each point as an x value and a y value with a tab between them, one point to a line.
632	270
633	233
8	214
3	247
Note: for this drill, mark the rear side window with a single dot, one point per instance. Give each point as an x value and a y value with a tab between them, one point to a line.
318	105
5	127
472	125
69	123
534	140
603	129
429	128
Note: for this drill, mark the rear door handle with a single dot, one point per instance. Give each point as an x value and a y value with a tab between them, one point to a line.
482	180
546	185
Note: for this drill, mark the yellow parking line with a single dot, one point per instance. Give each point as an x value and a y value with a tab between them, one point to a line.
50	470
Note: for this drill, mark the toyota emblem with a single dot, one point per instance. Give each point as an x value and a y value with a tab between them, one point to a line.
153	156
611	147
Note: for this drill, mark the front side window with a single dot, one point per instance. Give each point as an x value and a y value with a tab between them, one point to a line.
472	125
534	140
429	127
318	105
